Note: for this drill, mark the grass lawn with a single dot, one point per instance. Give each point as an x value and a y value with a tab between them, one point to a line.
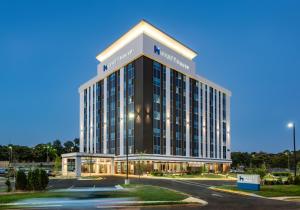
141	192
270	190
9	198
153	193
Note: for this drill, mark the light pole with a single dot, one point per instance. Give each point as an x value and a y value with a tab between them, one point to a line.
47	153
10	162
10	155
293	125
288	156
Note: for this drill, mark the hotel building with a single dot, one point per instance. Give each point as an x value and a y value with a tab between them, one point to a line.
147	97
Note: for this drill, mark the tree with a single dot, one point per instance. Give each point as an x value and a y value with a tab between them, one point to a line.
68	146
21	180
57	164
58	147
76	145
8	185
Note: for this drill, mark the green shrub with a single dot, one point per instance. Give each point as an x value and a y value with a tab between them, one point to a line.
43	179
157	173
281	173
297	180
21	180
29	181
8	185
37	180
290	179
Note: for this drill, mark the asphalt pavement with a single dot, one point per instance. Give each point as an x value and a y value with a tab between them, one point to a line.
196	188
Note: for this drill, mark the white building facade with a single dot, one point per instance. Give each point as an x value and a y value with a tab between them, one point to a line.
148	102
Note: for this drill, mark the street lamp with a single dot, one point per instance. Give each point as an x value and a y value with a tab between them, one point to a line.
47	147
10	162
10	155
293	126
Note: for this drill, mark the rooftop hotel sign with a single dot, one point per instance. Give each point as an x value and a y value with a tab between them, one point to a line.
117	59
144	45
170	57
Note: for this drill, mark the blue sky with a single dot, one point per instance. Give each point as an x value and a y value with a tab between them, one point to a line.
48	48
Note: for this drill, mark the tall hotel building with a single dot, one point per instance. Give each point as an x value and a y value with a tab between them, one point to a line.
147	97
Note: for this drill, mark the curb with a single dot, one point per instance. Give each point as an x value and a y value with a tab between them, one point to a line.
236	192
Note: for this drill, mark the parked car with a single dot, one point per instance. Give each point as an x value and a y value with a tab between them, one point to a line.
3	171
50	173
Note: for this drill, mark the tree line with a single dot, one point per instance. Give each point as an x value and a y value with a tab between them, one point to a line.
38	153
283	159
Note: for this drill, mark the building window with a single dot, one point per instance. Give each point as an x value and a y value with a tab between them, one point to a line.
129	113
159	108
178	113
224	124
113	112
194	117
85	121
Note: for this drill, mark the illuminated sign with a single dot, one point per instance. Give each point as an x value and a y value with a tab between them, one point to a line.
170	57
117	60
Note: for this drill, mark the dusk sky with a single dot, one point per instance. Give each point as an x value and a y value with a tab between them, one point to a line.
48	49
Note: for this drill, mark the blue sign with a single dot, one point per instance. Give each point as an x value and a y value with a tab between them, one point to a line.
248	181
156	50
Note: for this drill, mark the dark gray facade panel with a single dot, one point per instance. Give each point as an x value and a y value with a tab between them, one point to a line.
143	105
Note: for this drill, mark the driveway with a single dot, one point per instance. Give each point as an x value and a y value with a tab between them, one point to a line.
196	188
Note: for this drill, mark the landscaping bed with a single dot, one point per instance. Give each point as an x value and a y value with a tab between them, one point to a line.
268	190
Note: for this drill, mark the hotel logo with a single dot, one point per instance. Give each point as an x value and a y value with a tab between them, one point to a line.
156	50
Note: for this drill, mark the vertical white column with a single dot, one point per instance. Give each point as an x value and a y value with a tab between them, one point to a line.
228	140
88	121
199	119
218	127
105	117
187	117
204	126
92	119
81	119
221	128
168	112
208	122
95	117
122	120
77	166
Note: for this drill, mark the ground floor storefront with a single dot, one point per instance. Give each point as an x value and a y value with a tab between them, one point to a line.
83	164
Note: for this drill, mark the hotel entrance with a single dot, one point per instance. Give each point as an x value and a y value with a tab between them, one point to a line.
94	166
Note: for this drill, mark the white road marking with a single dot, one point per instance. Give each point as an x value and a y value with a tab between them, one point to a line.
217	195
193	183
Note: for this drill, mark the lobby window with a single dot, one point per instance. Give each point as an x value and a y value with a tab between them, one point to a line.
71	165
